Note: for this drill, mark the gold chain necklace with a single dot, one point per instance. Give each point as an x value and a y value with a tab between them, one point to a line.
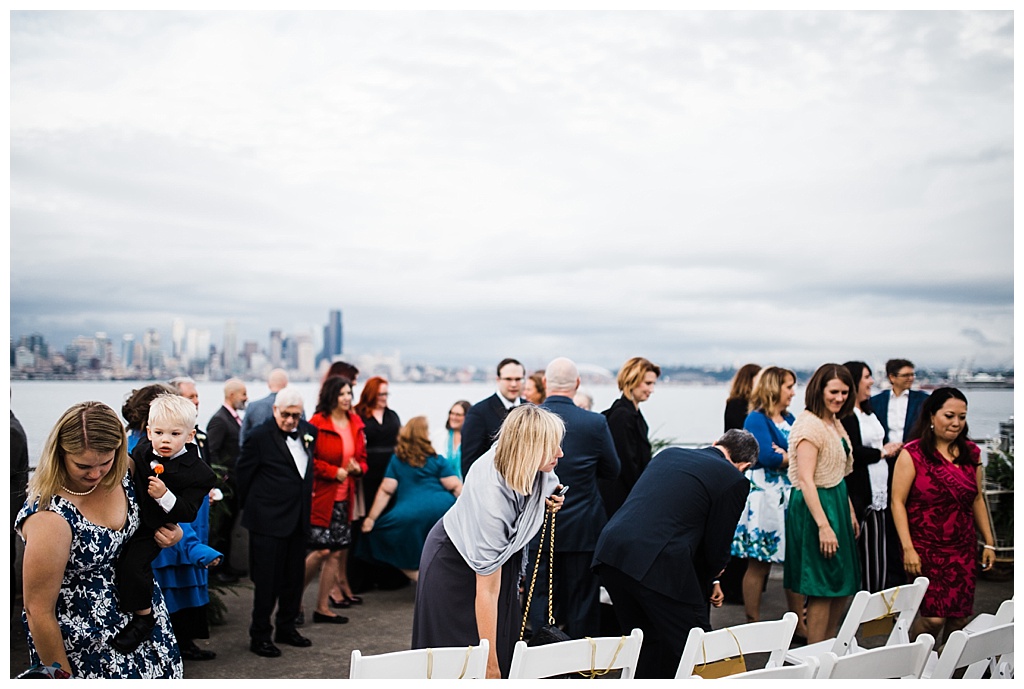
77	494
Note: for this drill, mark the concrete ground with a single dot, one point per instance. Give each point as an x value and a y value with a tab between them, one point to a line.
384	622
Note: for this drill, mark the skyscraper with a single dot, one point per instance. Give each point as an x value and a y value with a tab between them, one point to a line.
332	336
177	338
230	347
276	347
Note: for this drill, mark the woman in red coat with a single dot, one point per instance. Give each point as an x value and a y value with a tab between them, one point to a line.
339	457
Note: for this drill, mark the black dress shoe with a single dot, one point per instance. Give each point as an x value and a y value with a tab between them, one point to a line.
292	638
319	618
354	600
300	619
193	652
264	648
134	633
343	603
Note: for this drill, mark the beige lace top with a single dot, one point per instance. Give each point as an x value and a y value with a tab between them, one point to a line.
834	460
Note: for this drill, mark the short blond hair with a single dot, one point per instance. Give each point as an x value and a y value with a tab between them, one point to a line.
528	438
85	426
173	409
768	388
632	374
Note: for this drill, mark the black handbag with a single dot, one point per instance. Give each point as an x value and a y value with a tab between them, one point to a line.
550	633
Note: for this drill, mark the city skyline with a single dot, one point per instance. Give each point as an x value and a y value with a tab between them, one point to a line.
786	187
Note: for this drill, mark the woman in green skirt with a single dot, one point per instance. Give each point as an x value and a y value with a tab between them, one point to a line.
821	526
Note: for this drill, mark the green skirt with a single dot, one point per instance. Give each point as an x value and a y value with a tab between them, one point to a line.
806	570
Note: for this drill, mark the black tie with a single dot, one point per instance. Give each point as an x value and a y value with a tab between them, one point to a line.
294	435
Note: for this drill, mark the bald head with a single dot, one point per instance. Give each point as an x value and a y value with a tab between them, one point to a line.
234	394
562	377
277	380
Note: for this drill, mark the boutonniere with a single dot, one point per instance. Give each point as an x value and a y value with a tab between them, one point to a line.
307	439
200	438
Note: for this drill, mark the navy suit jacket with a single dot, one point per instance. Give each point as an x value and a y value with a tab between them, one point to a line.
222	438
880	405
588	454
275	499
483	420
673	532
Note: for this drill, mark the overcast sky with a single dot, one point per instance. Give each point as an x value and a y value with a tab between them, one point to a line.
697	188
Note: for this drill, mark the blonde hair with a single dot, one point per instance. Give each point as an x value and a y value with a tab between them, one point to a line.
528	438
632	374
172	409
413	445
85	426
768	388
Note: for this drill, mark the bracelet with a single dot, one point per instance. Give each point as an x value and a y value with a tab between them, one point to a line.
988	547
716	581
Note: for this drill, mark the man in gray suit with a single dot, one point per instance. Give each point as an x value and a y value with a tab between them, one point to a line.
262	409
588	454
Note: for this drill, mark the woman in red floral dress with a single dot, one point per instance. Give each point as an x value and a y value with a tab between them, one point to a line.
937	501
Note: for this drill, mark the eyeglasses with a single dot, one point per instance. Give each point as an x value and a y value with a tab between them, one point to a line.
290	415
906	375
511	380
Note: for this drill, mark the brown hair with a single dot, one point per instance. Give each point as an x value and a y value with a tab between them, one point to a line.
743	382
413	445
768	390
632	374
368	397
814	398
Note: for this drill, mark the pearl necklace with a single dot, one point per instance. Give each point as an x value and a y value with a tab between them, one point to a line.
71	492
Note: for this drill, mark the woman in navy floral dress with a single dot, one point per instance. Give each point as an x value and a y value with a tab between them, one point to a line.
80	511
939	511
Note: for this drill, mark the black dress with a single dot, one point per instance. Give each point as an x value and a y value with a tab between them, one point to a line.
629	433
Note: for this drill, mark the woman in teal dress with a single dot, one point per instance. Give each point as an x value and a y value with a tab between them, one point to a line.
423	487
821	525
450	442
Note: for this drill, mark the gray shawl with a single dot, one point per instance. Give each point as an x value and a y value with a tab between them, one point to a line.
490	522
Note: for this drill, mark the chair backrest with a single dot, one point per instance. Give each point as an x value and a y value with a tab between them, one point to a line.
771	637
901	600
804	670
597	655
895	661
973	651
463	662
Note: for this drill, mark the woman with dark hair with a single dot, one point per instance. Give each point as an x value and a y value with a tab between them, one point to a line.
135	410
421	487
738	404
868	484
629	429
339	456
450	441
761	530
937	502
821	527
533	388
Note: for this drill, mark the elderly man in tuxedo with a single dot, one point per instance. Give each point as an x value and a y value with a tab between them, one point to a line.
660	553
588	453
223	447
262	409
486	416
275	485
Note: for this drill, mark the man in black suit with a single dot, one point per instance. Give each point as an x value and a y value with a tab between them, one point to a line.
659	554
275	484
899	408
486	416
222	446
262	409
588	453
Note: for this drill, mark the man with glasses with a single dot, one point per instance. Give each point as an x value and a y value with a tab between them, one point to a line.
899	408
275	484
486	416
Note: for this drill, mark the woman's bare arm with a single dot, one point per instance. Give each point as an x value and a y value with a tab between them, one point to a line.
47	549
486	605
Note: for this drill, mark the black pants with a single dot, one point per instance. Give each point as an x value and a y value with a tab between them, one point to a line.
665	622
135	570
277	567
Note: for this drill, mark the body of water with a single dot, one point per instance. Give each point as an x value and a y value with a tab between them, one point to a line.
684	414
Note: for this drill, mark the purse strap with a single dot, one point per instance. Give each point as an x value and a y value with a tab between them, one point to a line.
594	673
704	651
536	566
465	662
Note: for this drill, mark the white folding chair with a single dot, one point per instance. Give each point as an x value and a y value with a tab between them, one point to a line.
804	671
755	637
896	661
590	657
1003	615
901	602
463	662
976	652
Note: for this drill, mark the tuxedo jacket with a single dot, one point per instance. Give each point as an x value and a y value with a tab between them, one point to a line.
588	454
222	432
187	476
275	498
479	430
673	532
880	405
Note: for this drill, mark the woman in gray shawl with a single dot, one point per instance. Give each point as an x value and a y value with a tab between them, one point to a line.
472	561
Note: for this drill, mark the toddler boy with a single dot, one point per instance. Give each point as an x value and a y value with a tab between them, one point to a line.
171	481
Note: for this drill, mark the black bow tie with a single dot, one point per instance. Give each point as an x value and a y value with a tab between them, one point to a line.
294	435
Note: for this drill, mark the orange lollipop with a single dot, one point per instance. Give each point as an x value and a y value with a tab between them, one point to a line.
158	469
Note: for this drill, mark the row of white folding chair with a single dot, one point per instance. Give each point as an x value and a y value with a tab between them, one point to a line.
593	657
990	649
1000	666
772	637
902	601
465	662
